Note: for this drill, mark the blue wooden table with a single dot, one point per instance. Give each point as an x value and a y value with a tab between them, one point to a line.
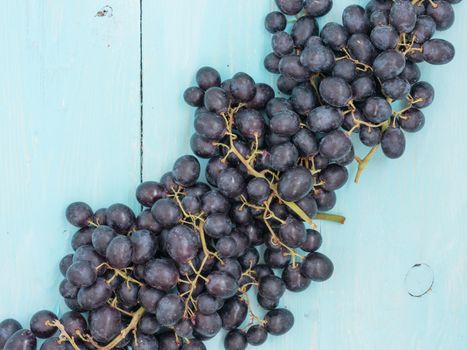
74	126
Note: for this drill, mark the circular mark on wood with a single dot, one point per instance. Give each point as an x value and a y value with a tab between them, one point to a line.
419	280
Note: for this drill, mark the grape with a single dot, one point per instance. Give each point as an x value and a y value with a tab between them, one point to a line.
119	252
403	16
210	126
389	64
370	136
295	184
290	7
306	143
334	177
438	51
395	88
82	237
378	5
275	22
250	258
412	120
145	221
226	246
7	328
415	55
384	37
424	29
149	297
145	342
65	263
203	147
231	266
268	304
101	238
363	87
271	287
22	339
317	267
68	289
292	69
74	323
262	96
424	91
379	18
233	313
292	232
303	29
54	344
207	325
377	109
303	99
317	58
279	321
334	35
94	296
335	145
89	254
250	123
143	245
217	225
308	205
168	341
194	344
393	142
161	274
294	280
326	200
442	13
194	96
79	214
169	310
243	87
324	119
345	69
184	328
411	73
214	202
276	105
271	63
346	159
276	259
166	212
317	8
230	183
355	20
216	100
313	241
81	274
285	84
235	340
361	48
221	284
286	123
207	77
105	323
182	243
120	217
283	156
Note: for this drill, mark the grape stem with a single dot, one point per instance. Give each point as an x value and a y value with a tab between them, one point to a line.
64	336
122	273
330	217
124	332
362	163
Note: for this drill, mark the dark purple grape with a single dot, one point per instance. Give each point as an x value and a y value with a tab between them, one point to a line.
207	77
161	274
334	177
317	267
442	13
39	324
379	18
411	72
268	304
144	246
326	200
65	263
277	105
263	94
276	259
289	7
94	296
256	335
184	328
149	297
169	310
250	123
438	51
182	244
101	238
53	344
168	341
89	254
271	287
355	19
285	84
275	22
283	156
313	241
295	184
279	321
292	233
324	119
68	289
389	64
258	190
203	147
424	29
120	217
145	342
393	142
194	344
286	123
378	5
370	136
231	266
216	100
79	214
271	63
403	16
416	55
303	29
308	205
236	339
335	145
128	294
306	142
210	126
291	68
384	37
119	252
233	313
412	120
221	284
166	212
294	280
208	304
361	48
207	325
194	96
243	87
217	225
347	159
214	202
317	8
81	274
145	221
423	91
317	58
226	246
396	88
230	182
105	324
377	109
334	35
82	237
303	99
22	339
149	192
345	69
74	323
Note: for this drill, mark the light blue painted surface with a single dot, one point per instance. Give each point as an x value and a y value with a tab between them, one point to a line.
69	106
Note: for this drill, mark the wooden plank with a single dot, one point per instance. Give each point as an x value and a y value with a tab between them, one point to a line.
404	212
69	110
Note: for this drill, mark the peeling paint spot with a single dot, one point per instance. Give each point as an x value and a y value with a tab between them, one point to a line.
419	280
106	11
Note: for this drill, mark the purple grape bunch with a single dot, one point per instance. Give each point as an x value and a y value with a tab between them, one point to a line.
187	266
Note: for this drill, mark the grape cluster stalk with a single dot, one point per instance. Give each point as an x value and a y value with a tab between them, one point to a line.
191	261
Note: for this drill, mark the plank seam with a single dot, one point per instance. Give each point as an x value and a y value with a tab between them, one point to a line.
141	121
